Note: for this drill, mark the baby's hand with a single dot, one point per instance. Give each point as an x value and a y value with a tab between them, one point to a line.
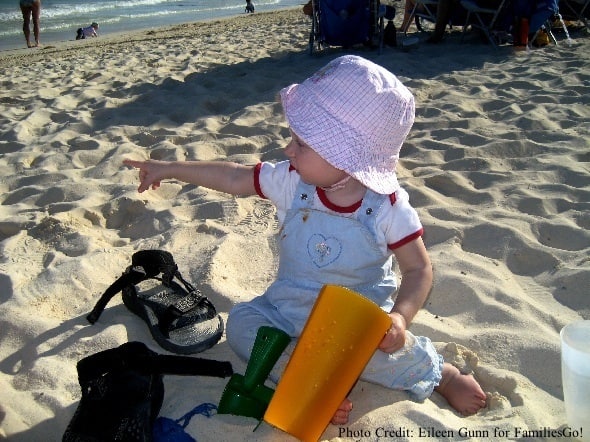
396	335
150	173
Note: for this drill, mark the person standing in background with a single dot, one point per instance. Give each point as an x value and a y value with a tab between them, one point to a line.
31	8
249	6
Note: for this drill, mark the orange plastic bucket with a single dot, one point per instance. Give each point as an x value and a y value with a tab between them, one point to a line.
343	331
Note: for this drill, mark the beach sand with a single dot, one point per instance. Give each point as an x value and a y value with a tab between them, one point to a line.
497	165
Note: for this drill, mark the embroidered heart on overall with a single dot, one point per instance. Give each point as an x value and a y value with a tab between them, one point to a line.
323	250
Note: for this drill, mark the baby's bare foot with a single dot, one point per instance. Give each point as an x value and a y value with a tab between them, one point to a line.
462	391
341	415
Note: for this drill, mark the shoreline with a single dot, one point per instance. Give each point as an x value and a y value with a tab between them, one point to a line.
186	31
135	34
496	165
127	17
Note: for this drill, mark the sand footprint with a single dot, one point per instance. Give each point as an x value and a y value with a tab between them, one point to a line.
562	236
259	220
453	185
521	255
252	224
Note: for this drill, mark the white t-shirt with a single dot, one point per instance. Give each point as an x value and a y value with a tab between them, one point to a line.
89	32
397	223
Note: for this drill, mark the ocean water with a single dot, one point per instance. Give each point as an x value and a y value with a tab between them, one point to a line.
61	18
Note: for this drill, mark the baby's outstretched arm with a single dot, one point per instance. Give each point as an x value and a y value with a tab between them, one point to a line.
232	178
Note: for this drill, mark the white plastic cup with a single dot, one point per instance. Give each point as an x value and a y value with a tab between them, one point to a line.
575	372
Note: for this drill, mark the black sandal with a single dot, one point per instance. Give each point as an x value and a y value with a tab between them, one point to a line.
179	317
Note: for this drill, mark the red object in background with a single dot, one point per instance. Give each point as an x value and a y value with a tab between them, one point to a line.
520	35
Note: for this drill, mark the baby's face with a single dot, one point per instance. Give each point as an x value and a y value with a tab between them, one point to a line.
310	165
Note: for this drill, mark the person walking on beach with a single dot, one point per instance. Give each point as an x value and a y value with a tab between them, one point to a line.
343	217
31	8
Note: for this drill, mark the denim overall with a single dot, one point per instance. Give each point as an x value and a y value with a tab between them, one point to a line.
318	248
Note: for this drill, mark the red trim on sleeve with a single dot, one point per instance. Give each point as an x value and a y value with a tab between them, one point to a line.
257	170
406	240
392	198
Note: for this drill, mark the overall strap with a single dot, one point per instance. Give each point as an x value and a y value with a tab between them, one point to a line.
371	206
367	214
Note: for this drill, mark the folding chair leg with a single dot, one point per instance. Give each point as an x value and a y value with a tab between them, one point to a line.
411	18
486	31
579	15
465	26
567	34
551	36
583	16
473	9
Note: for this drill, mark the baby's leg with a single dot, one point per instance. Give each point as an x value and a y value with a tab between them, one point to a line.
242	326
420	359
462	391
416	368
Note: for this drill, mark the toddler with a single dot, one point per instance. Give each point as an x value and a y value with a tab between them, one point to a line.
343	217
87	32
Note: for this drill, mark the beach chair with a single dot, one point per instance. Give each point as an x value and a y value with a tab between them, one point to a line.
545	14
424	15
576	10
346	23
483	18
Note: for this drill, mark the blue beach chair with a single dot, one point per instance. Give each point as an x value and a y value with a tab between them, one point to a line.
346	23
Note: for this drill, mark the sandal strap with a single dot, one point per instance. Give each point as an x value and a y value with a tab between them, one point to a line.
182	307
155	262
132	276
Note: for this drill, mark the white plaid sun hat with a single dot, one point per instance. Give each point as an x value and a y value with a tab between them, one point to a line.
355	115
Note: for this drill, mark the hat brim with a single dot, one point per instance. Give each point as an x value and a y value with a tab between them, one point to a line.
317	127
